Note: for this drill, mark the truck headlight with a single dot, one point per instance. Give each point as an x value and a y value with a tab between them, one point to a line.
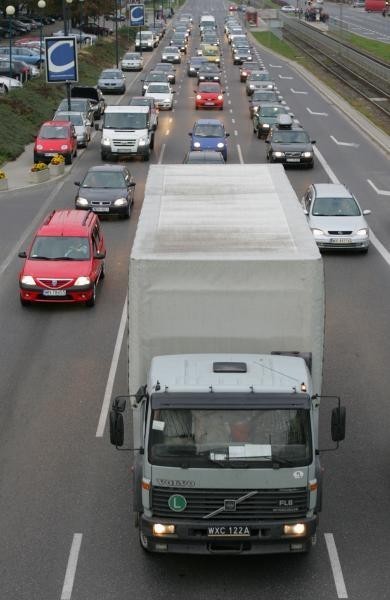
201	76
362	232
251	86
161	529
143	141
120	202
81	201
307	154
278	154
82	281
106	141
220	145
27	280
298	529
255	108
265	125
317	232
196	144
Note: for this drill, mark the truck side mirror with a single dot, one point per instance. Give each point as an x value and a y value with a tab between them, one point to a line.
116	421
338	424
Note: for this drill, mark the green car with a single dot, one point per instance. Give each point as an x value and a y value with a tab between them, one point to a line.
266	116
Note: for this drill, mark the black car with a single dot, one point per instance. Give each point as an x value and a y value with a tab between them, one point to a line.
246	68
289	144
203	157
93	94
242	55
260	96
106	189
194	64
83	105
155	77
266	116
180	42
96	29
168	69
209	72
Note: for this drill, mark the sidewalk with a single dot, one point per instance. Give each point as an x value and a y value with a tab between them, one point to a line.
18	171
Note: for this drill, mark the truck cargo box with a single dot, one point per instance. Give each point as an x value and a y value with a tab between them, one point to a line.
223	262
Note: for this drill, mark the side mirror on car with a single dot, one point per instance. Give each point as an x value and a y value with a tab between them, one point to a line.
367	211
313	142
267	141
227	134
22	254
77	183
100	255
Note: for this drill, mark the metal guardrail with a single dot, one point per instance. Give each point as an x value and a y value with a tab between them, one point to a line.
362	61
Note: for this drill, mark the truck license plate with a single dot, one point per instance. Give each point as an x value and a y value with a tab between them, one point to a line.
228	531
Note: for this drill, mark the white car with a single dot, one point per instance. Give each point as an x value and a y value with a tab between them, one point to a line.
84	38
171	54
288	9
162	95
8	83
335	217
132	61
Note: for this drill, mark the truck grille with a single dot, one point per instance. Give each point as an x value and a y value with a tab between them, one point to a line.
262	505
124	143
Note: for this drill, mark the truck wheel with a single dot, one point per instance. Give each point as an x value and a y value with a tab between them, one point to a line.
143	542
151	145
258	134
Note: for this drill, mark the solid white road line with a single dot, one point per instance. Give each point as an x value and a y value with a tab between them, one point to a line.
71	568
112	373
240	154
336	566
332	176
30	230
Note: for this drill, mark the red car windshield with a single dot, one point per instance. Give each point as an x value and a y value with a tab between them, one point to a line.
60	248
209	88
51	132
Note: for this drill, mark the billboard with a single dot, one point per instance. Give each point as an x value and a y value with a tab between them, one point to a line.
61	59
137	15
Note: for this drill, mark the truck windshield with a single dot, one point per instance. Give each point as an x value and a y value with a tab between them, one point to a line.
125	120
233	438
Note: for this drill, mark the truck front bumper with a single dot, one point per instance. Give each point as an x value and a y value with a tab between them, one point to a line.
193	537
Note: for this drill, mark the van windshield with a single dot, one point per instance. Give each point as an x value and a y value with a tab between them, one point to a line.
125	120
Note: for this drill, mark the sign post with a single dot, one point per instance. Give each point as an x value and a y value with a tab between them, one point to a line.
137	18
61	61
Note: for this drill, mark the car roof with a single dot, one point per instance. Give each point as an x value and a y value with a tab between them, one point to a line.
108	167
70	222
336	190
65	123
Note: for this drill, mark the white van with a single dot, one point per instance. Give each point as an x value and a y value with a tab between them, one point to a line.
145	40
207	21
126	131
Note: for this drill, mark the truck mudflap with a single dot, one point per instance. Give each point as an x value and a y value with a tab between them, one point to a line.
192	537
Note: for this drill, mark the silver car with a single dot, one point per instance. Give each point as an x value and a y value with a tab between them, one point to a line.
171	54
81	124
132	61
259	80
335	217
112	80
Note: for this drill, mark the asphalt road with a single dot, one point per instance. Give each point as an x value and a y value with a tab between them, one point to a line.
61	487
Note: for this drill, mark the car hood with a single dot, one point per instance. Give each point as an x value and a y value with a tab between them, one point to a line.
102	193
208	143
337	223
158	96
110	82
57	269
52	145
292	147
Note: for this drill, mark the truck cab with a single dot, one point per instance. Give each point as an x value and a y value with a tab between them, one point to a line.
127	131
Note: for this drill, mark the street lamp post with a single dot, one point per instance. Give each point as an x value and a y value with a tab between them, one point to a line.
10	11
41	5
81	17
66	31
116	35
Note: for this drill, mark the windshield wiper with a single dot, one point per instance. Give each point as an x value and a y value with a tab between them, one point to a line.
278	461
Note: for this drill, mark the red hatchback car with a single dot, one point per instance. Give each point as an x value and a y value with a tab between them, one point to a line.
209	95
65	260
56	137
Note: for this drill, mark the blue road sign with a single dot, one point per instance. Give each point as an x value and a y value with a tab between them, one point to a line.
137	15
61	59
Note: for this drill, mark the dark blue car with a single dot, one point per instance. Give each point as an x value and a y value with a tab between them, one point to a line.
209	134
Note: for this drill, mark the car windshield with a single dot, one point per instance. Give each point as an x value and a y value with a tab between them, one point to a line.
158	76
131	56
336	207
171	49
254	438
52	132
111	75
271	111
75	119
210	88
139	101
259	76
156	88
291	137
60	248
264	96
128	120
209	130
76	105
104	179
213	51
209	68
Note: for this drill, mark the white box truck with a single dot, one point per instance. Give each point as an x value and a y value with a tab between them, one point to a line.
126	131
226	326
